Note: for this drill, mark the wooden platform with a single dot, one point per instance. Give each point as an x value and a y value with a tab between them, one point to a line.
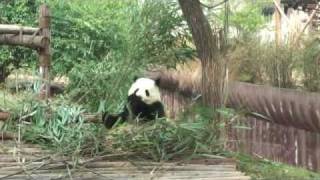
31	162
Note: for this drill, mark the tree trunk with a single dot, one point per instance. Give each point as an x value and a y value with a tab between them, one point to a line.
207	48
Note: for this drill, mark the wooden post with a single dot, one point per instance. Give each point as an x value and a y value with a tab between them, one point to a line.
277	23
44	53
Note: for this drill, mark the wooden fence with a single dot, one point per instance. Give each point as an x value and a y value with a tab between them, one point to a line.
35	38
276	140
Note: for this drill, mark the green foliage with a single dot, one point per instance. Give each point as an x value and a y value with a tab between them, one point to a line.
311	65
166	140
263	63
106	82
141	35
89	31
159	35
61	129
249	19
11	102
265	169
283	66
102	39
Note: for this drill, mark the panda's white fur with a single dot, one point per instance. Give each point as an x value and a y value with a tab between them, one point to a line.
140	86
143	102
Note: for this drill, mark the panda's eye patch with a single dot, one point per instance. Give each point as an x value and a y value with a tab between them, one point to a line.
147	93
136	91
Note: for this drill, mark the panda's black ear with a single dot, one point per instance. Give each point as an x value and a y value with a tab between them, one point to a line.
135	78
157	81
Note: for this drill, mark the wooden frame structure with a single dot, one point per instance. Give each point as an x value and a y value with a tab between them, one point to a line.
34	38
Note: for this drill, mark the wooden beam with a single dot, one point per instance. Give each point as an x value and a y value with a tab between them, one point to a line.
4	116
24	40
16	29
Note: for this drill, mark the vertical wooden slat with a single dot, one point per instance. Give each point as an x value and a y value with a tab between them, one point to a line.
317	165
254	135
311	154
290	154
297	149
273	141
302	148
260	136
236	137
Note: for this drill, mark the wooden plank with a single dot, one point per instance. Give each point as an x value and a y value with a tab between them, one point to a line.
129	172
51	167
92	176
290	154
317	165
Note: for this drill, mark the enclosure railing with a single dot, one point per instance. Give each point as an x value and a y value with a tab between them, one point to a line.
284	125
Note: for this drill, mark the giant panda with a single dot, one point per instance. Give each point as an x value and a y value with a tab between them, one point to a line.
143	103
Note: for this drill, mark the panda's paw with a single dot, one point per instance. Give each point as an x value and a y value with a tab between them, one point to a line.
109	120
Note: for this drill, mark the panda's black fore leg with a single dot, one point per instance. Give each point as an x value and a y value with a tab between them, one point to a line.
109	120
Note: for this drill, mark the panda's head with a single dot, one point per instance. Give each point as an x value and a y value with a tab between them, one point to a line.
146	89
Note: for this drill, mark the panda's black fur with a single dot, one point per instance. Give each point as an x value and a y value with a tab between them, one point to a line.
136	107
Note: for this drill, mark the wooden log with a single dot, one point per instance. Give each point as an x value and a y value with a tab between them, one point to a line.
24	40
7	135
17	29
4	116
